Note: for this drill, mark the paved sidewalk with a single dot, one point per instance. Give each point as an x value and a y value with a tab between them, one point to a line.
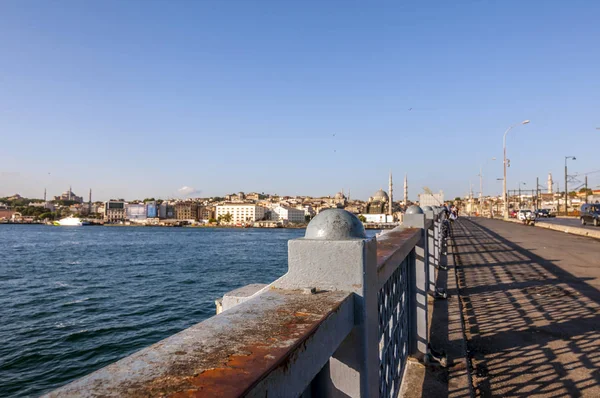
531	301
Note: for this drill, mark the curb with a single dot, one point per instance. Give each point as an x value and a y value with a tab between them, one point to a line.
562	228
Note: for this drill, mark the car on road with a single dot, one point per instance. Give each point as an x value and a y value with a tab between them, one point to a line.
590	213
513	214
545	213
527	216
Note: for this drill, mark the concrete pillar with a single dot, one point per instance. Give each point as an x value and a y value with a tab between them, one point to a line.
335	254
419	281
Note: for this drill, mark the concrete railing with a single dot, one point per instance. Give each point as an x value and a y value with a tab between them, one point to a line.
341	322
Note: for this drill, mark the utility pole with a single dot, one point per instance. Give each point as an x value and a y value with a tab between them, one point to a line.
566	191
586	190
566	185
537	192
480	192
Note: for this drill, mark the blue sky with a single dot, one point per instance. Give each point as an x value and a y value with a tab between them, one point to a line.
140	98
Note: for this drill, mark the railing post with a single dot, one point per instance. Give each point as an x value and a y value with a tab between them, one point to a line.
431	245
419	281
336	255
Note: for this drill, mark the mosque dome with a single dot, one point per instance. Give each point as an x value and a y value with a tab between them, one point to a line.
381	196
339	196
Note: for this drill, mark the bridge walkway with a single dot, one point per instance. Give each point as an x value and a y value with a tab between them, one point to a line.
531	306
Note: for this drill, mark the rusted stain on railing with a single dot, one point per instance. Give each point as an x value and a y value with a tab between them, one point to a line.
394	241
256	338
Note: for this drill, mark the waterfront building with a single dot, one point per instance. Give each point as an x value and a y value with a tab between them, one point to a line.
241	213
6	212
135	212
69	196
166	211
307	209
287	214
186	211
114	211
205	213
378	218
433	199
151	209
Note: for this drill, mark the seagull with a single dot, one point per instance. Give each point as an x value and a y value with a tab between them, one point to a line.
409	109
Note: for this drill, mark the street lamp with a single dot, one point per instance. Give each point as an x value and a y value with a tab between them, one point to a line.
566	187
504	183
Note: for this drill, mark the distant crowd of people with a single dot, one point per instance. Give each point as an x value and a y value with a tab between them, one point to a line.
451	211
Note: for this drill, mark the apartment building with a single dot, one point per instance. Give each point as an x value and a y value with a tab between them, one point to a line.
283	213
241	213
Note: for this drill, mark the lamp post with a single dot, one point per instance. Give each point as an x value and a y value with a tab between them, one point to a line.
566	186
504	183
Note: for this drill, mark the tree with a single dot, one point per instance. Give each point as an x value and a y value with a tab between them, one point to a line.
47	215
227	217
212	220
586	190
307	218
149	200
362	218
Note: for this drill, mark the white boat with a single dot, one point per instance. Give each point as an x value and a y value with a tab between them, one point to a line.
69	222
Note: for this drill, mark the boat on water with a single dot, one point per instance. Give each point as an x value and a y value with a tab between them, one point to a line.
69	222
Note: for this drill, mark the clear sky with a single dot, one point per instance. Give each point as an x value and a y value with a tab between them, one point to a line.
141	98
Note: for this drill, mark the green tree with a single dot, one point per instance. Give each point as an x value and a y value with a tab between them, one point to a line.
307	218
47	215
227	218
362	218
586	190
149	200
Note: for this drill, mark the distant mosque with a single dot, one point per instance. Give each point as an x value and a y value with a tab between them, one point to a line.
70	196
380	205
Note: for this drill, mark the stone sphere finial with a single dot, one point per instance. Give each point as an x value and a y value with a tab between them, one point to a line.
335	224
414	209
427	208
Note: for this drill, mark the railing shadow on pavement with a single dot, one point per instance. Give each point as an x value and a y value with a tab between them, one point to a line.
533	327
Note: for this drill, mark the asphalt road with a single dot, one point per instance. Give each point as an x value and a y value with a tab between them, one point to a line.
570	222
531	301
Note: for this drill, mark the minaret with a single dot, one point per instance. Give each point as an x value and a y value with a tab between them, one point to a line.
549	182
405	189
90	202
44	195
391	195
70	192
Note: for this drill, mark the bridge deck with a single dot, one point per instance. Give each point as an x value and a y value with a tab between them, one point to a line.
531	307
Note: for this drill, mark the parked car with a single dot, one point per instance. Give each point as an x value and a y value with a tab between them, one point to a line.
590	213
513	214
545	213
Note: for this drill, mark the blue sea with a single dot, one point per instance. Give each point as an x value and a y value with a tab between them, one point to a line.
73	300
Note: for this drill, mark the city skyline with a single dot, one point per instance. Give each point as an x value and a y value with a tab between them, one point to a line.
293	98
